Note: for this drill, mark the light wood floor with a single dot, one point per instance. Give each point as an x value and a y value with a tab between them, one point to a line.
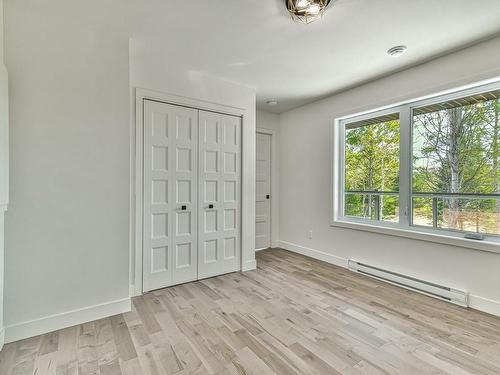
293	315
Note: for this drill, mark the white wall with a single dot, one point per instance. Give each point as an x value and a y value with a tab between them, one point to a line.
306	170
268	120
67	228
150	69
4	162
4	119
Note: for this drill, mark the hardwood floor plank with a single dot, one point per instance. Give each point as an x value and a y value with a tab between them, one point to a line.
148	361
26	355
131	367
7	356
110	368
46	364
121	336
49	343
146	315
247	362
67	359
316	363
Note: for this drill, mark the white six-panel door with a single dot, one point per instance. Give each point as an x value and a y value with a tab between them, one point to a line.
219	194
263	192
185	138
170	197
191	225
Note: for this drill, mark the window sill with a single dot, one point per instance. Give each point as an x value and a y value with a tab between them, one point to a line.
484	245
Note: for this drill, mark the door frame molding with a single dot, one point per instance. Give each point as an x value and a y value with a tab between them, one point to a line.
137	142
274	185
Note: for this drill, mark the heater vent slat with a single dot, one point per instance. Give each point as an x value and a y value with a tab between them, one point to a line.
442	292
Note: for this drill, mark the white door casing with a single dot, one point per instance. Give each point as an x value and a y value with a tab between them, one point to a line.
170	201
263	192
245	111
219	194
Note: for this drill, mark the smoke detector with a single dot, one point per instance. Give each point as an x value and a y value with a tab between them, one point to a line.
397	51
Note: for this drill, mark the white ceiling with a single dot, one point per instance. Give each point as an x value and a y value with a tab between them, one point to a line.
255	43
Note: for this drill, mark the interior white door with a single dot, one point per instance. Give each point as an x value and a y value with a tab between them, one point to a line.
263	192
170	201
219	194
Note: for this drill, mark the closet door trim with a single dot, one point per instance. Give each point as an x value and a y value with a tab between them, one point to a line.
246	251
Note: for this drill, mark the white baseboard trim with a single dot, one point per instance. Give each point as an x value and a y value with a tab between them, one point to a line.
475	302
316	254
249	265
484	304
55	322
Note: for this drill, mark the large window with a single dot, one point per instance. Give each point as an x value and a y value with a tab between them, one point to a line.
429	166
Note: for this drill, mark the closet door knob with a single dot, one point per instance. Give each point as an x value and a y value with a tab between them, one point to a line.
210	205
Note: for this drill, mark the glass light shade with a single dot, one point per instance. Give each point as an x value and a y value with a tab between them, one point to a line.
306	11
301	4
313	9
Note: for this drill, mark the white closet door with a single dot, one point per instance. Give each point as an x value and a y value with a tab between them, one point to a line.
185	165
170	204
263	192
219	194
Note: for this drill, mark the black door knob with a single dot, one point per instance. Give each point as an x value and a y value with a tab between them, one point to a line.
268	196
184	208
210	206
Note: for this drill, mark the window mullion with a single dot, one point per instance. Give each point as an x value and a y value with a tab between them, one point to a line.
405	166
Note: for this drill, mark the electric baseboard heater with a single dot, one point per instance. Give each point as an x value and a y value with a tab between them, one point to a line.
458	297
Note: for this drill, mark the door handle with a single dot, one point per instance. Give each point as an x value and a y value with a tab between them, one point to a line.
268	196
182	208
210	205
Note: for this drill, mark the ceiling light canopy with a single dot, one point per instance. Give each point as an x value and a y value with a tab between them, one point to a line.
306	11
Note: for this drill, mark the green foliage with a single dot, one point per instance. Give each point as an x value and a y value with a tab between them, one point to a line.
372	157
455	150
372	163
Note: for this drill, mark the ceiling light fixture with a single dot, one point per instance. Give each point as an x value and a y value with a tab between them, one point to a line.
272	102
306	11
396	51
